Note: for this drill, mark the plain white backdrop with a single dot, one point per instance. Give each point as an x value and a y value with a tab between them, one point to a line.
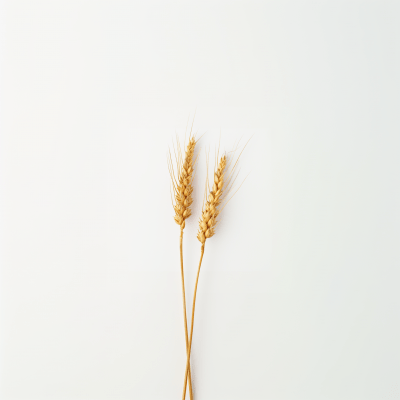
299	290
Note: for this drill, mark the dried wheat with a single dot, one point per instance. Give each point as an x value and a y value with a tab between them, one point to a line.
207	225
183	199
208	221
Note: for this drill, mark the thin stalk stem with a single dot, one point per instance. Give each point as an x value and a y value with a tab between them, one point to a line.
184	315
191	327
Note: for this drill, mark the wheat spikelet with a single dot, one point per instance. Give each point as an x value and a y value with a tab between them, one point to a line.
184	188
211	210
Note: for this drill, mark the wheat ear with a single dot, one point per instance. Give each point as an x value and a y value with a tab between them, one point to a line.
207	224
183	199
211	209
184	188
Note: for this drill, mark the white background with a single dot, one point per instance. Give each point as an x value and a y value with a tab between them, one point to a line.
299	290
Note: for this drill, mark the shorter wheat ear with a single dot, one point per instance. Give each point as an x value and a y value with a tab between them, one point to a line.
207	224
215	203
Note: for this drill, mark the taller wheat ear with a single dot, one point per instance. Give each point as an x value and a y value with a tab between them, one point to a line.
183	199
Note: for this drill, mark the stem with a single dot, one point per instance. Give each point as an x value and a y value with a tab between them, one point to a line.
184	315
191	328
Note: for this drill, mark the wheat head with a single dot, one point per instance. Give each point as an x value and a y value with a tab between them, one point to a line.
183	187
211	210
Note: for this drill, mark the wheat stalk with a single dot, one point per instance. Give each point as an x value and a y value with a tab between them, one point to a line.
207	225
224	179
183	189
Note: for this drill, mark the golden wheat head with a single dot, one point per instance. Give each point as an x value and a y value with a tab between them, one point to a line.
183	186
211	210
